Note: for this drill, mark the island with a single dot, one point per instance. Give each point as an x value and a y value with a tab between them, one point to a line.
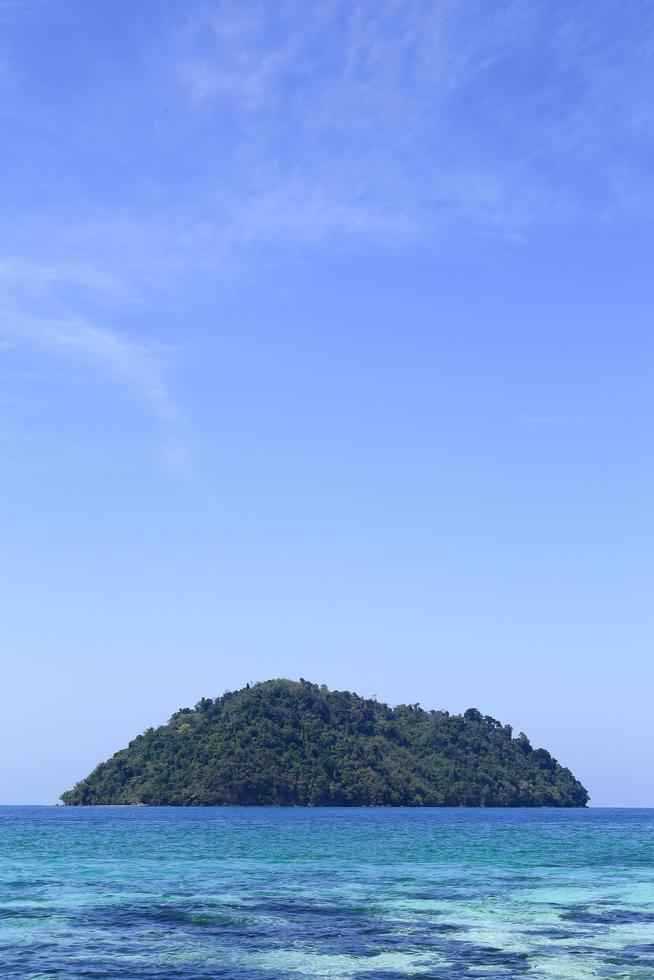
294	743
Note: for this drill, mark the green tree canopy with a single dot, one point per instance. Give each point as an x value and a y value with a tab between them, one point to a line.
287	743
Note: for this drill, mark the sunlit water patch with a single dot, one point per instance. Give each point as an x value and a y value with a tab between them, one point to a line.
362	894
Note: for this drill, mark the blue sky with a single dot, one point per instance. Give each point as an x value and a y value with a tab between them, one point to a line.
326	351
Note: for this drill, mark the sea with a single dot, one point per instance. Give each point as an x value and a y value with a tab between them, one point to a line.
371	894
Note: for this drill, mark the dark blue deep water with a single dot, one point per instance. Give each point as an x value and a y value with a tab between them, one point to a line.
261	894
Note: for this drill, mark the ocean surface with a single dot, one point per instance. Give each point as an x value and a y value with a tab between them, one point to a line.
376	894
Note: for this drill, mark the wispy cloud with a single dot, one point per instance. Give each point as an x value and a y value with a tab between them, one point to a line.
556	421
242	129
32	309
32	312
26	275
134	364
10	9
466	112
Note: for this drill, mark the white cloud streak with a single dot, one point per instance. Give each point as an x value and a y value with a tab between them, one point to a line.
285	125
441	113
31	312
136	365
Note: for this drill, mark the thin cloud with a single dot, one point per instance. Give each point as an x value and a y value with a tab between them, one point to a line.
486	116
37	310
11	9
20	274
264	128
553	421
136	365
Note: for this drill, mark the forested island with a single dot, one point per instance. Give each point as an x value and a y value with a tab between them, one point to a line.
287	743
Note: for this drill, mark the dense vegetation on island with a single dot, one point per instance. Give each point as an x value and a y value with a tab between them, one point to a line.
286	743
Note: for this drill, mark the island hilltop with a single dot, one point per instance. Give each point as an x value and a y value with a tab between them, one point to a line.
287	743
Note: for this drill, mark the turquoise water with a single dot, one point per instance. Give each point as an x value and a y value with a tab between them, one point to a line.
260	894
